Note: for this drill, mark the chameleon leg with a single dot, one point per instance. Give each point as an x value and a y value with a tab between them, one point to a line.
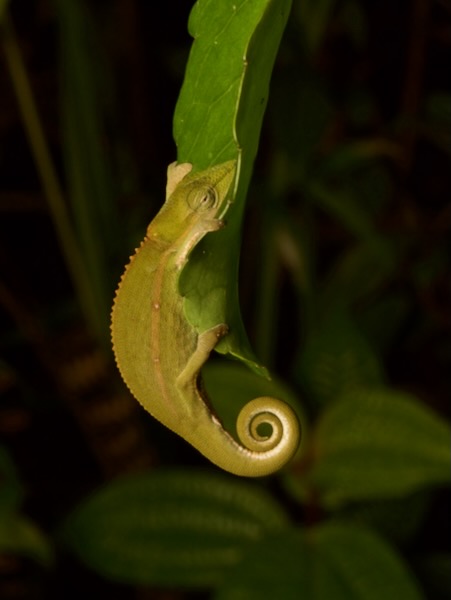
205	344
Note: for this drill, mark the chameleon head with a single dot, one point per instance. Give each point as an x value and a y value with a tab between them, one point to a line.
202	196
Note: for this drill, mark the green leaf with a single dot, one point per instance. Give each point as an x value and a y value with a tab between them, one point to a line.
374	444
171	528
218	117
336	358
19	536
332	561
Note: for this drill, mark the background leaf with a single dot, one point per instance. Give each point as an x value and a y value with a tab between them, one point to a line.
378	443
335	561
171	528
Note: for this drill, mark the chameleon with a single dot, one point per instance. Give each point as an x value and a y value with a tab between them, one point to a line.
160	354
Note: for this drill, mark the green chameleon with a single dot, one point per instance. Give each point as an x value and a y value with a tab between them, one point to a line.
159	353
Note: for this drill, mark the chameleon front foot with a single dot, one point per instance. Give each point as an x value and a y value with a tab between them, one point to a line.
206	342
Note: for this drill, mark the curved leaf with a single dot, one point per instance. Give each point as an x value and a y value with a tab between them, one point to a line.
218	117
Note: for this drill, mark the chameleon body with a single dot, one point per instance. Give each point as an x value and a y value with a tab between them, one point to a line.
160	354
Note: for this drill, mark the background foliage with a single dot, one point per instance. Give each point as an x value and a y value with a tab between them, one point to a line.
344	291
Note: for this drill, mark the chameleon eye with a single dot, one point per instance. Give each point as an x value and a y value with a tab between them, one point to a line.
202	199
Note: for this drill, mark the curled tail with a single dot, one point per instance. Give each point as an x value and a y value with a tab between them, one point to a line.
269	432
